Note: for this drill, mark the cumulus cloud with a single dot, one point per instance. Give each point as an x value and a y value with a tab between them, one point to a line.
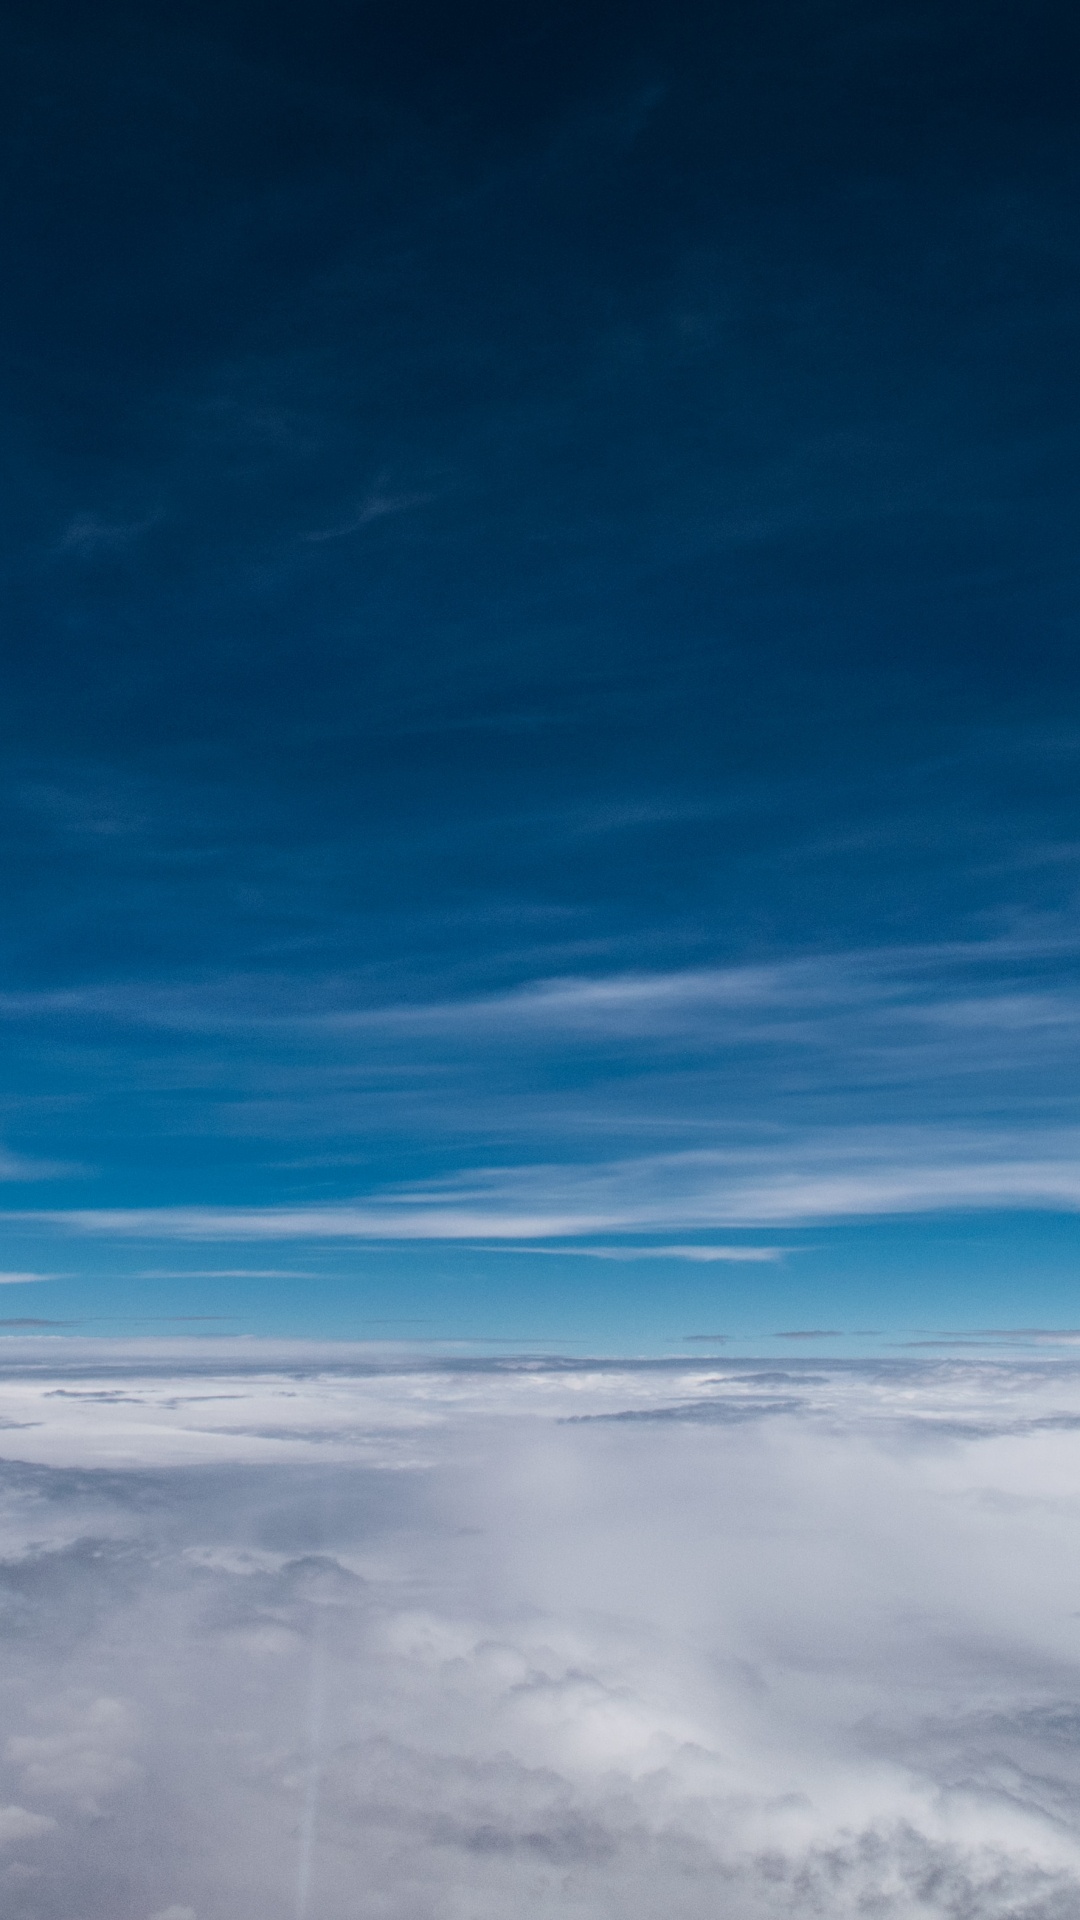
81	1757
281	1624
17	1824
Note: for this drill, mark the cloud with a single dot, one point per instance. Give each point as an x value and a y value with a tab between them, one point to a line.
711	1413
228	1273
28	1320
378	505
841	1175
536	1637
697	1254
21	1166
89	534
789	1082
809	1333
17	1824
83	1759
908	998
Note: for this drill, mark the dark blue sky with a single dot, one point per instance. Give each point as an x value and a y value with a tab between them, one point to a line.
540	677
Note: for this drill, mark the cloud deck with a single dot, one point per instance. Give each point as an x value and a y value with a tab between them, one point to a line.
307	1632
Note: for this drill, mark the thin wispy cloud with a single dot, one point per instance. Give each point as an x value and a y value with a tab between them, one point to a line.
88	534
972	1043
18	1167
896	1172
378	505
228	1273
809	1333
700	1255
914	1014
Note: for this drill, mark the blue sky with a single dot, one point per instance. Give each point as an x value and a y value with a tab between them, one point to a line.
540	737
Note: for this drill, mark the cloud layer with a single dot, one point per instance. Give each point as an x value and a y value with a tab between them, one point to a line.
288	1629
841	1174
841	1087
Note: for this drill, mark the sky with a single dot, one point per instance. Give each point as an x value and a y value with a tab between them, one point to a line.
316	1632
540	733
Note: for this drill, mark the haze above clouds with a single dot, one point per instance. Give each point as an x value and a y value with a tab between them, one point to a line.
296	1631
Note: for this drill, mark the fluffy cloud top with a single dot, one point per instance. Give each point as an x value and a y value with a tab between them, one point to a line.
289	1636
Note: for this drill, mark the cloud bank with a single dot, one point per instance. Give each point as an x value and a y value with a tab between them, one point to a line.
295	1631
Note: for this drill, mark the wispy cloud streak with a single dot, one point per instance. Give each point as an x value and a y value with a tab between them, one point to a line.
786	1182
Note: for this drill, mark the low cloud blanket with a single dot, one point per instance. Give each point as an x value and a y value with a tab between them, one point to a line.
294	1633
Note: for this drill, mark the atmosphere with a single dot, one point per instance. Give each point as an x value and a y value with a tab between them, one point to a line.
540	734
540	962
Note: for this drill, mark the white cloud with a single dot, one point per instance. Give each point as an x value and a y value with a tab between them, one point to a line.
82	1756
21	1166
806	1000
840	1045
857	1173
609	1640
706	1255
16	1823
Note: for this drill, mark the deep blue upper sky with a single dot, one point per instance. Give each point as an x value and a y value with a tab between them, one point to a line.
540	668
